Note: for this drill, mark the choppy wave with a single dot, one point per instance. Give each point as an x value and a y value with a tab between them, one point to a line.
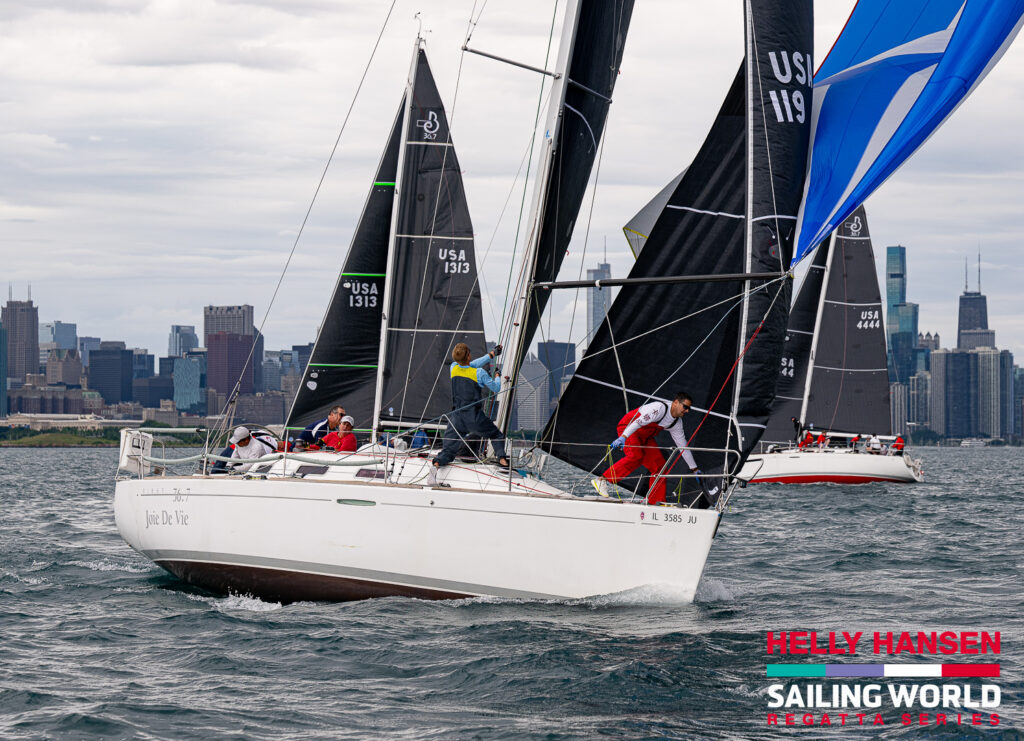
99	643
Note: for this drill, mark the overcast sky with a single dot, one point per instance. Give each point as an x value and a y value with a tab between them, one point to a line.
157	156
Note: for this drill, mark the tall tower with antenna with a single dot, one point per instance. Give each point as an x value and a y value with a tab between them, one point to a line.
972	326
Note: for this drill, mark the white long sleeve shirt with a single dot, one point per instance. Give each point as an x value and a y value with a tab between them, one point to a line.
658	412
255	449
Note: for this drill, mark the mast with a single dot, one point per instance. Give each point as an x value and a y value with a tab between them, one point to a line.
520	314
389	272
590	53
817	331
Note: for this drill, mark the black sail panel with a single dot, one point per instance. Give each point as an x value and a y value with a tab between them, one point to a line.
435	295
796	353
734	211
343	366
849	382
592	70
670	337
779	79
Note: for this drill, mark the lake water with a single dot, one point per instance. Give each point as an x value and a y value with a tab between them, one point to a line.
95	642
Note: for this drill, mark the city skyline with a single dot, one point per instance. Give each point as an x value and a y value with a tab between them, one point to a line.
182	157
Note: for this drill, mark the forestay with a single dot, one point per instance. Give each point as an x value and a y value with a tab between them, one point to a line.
342	368
589	62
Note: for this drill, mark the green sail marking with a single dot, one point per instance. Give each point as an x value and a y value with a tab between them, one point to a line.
362	275
386	185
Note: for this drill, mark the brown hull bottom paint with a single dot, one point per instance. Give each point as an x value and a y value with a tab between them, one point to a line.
276	585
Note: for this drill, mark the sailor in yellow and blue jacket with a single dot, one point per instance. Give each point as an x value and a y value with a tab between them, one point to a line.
467	417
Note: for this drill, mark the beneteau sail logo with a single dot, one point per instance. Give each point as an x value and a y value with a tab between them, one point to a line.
928	694
430	125
855	226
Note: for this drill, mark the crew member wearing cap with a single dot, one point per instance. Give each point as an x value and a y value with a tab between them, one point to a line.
314	434
245	446
343	439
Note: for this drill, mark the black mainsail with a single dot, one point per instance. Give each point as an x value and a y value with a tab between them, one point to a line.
432	294
592	46
342	368
848	388
733	211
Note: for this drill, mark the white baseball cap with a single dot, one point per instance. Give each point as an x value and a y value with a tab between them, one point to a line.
348	418
239	434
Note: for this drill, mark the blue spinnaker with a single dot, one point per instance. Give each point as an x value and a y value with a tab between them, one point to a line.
897	71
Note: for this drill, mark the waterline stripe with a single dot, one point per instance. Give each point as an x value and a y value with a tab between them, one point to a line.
929	671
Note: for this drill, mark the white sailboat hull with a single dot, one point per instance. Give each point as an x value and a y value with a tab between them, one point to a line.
795	466
289	539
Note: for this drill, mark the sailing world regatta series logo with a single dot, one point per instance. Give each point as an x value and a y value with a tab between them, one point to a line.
920	689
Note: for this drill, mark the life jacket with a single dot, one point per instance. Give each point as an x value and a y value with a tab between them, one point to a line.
466	394
648	430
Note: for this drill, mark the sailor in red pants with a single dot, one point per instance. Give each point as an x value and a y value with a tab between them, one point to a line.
637	432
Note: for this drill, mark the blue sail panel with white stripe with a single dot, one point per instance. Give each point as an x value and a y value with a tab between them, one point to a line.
897	71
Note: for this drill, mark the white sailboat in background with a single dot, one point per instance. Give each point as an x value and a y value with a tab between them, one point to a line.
833	377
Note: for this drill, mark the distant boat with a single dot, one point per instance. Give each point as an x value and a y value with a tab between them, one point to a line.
973	442
833	377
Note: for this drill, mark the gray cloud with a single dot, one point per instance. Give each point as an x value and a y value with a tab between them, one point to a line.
160	156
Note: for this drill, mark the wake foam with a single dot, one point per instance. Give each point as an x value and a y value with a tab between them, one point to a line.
234	602
712	590
112	566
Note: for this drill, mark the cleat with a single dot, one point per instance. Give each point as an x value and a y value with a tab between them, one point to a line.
602	487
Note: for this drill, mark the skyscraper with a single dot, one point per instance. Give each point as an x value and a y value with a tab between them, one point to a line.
110	372
901	317
3	371
1007	391
954	393
56	335
227	354
1018	401
230	319
598	299
973	314
559	358
182	339
21	320
85	346
532	395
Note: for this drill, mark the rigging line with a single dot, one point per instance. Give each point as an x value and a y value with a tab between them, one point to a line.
479	274
737	361
533	139
692	314
316	192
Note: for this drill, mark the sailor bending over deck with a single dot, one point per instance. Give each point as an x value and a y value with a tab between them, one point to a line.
637	433
467	416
